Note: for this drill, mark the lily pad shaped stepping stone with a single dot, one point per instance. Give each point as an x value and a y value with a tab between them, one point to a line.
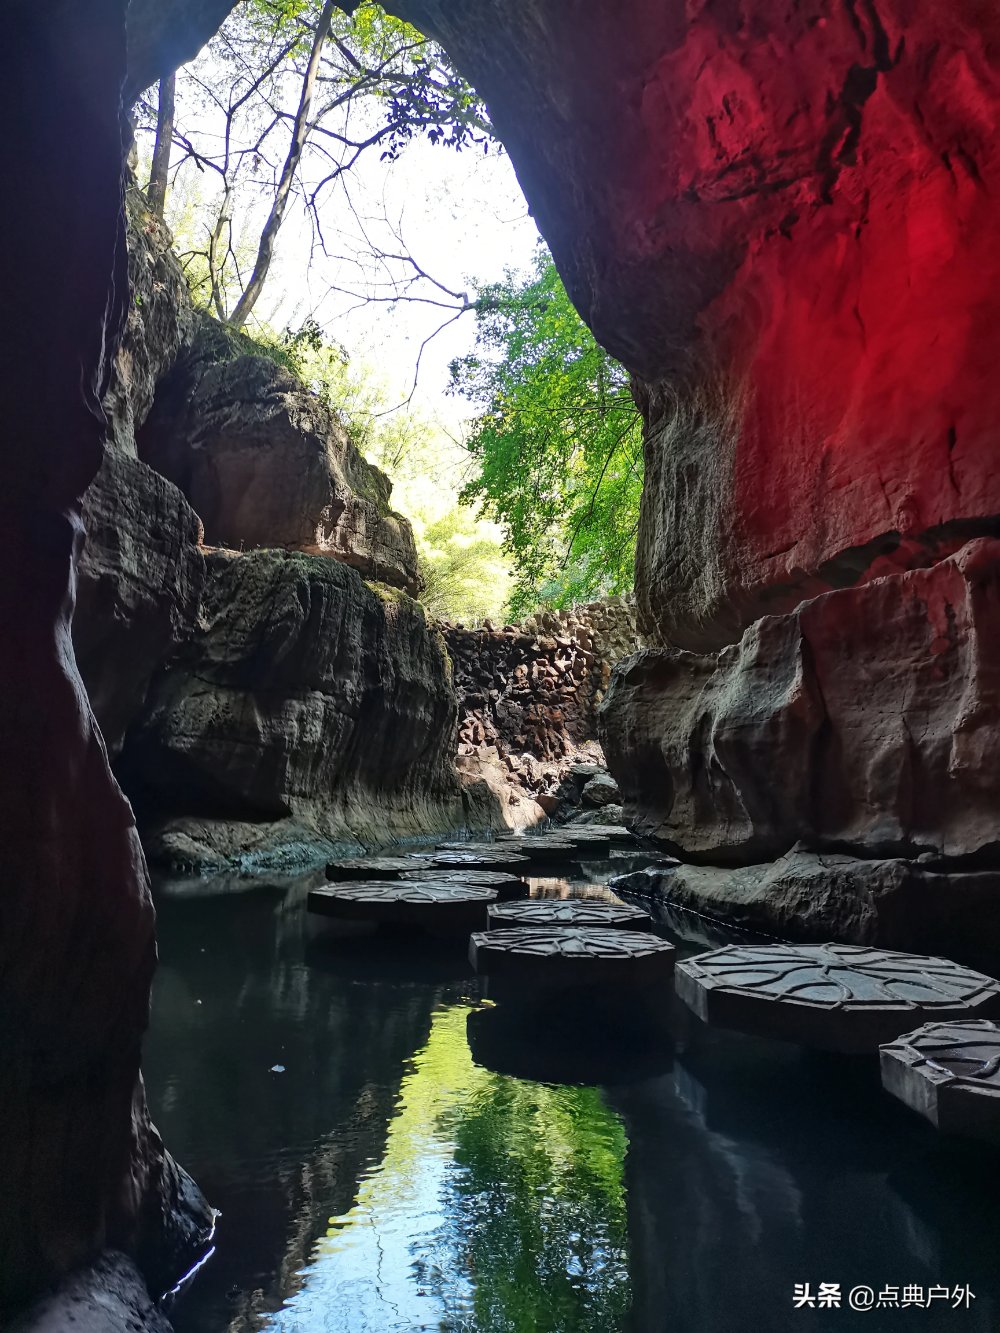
950	1073
369	867
553	956
495	859
506	882
452	907
537	912
837	997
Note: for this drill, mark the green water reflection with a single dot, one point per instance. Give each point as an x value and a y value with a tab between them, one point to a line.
498	1206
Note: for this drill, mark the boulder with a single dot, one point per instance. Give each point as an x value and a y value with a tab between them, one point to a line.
109	1296
141	575
308	706
601	789
266	463
866	721
805	896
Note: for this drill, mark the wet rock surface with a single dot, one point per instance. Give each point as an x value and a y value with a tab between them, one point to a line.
309	707
108	1297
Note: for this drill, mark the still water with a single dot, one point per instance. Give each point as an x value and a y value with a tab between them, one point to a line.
389	1153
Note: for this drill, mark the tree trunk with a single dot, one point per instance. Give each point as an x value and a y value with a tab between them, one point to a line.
80	1165
300	135
157	190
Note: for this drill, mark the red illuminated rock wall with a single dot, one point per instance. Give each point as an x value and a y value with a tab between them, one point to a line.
783	219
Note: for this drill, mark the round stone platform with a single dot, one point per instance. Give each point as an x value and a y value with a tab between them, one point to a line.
574	912
950	1073
493	859
370	868
559	957
837	997
540	848
437	906
506	883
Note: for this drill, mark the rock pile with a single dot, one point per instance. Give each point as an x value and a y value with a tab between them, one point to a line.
528	696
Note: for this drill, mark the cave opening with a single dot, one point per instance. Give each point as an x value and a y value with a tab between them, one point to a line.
499	705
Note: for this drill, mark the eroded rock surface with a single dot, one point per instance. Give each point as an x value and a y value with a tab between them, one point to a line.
866	720
782	220
267	464
895	904
308	707
141	576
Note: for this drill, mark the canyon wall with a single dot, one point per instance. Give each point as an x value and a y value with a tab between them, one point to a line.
81	1167
782	221
267	687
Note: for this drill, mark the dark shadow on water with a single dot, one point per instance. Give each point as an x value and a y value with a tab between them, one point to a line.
571	1047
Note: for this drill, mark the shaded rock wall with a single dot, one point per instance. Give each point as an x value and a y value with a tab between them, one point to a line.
141	577
309	707
266	463
80	1166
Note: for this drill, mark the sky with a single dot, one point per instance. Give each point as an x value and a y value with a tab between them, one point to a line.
461	215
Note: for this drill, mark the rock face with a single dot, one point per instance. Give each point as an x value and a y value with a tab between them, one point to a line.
781	221
80	1165
528	696
867	719
266	464
141	576
308	707
894	904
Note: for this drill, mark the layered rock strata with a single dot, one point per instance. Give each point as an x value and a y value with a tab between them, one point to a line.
266	463
307	709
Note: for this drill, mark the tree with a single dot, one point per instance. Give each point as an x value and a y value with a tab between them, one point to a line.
557	444
281	106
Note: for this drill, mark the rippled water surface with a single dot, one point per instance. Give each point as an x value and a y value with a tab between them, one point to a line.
391	1153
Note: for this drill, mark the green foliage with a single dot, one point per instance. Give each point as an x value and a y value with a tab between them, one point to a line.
463	567
557	443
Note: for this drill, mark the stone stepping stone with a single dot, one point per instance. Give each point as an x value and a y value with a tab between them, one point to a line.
837	997
369	868
506	883
576	912
434	906
949	1073
616	834
557	957
496	859
544	850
